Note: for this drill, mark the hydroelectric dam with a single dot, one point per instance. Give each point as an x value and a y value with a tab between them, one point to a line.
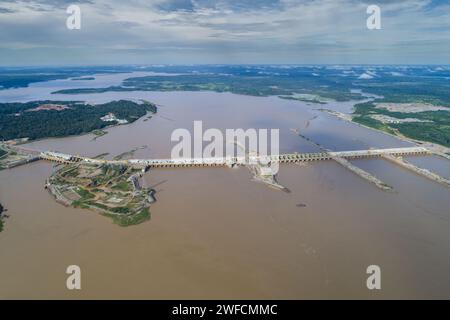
260	165
237	161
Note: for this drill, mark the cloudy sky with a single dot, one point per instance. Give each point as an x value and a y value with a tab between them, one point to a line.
34	32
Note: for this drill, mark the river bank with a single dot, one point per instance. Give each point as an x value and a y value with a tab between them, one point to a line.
435	148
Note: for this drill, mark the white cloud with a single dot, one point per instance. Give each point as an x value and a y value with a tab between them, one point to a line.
299	31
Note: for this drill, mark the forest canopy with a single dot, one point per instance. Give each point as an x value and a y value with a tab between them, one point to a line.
22	120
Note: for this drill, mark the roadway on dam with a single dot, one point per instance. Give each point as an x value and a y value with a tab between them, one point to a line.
243	160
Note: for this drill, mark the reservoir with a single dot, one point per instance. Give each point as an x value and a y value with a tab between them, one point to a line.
214	233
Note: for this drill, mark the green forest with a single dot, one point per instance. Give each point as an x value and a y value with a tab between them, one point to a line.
17	121
436	131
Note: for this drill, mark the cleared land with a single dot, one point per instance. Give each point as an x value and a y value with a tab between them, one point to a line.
112	190
410	107
13	157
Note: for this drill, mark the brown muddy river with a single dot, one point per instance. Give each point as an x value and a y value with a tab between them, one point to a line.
215	234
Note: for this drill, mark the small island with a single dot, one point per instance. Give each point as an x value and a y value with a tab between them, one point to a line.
114	191
98	133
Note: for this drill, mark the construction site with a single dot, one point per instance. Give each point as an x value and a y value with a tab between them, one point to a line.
112	190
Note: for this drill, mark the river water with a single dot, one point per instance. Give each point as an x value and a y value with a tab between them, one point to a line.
214	233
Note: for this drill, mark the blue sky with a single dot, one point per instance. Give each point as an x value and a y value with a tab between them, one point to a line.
33	32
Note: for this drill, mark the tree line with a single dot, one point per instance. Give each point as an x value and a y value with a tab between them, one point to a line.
17	121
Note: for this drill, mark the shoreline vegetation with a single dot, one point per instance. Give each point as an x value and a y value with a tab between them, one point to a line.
31	121
423	125
98	133
113	191
433	147
411	85
22	77
285	87
427	126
